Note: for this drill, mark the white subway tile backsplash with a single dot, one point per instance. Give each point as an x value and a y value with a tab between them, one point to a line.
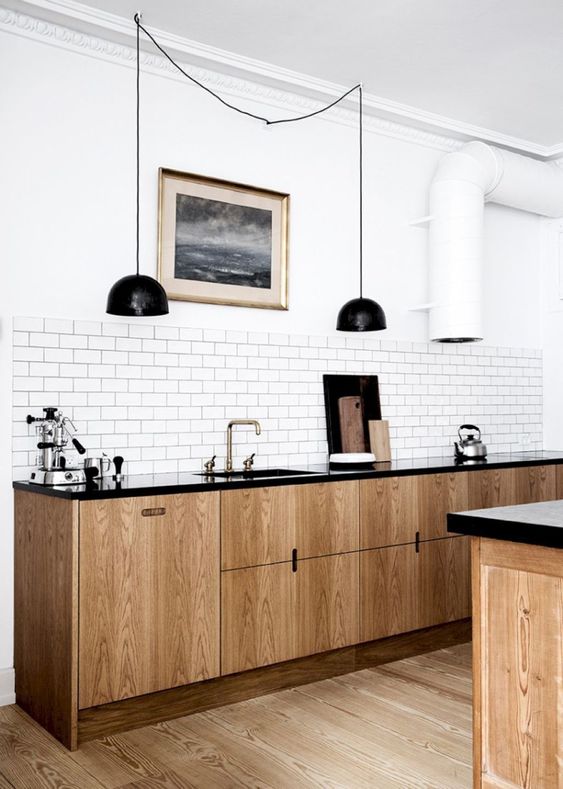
162	395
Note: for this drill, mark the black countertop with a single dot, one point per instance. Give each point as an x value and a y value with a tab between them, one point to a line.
535	524
161	484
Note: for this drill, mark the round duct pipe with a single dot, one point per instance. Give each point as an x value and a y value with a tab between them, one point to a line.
464	180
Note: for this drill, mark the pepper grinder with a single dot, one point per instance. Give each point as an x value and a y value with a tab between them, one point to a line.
118	463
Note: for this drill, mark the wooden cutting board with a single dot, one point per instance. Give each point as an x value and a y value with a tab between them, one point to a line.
379	439
352	424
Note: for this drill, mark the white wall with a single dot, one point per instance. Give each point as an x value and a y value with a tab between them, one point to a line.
161	396
551	263
67	209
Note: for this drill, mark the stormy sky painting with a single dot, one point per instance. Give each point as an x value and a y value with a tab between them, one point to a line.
222	243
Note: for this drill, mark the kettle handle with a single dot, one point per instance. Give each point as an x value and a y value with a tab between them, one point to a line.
468	427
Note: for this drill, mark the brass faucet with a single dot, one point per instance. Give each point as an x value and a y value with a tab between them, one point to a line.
232	423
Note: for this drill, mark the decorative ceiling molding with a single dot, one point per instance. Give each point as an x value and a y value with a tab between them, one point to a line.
109	37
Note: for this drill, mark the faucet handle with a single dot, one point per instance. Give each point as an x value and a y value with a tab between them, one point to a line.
249	462
210	465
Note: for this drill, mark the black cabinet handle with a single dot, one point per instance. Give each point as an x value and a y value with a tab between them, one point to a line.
294	560
417	542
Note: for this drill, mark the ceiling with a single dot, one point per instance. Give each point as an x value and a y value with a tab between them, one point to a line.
494	64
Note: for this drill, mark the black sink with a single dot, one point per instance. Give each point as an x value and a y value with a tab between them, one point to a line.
257	473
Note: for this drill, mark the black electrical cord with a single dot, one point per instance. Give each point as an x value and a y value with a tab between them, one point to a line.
138	136
267	121
360	95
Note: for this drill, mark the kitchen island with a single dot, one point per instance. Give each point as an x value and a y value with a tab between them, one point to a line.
517	591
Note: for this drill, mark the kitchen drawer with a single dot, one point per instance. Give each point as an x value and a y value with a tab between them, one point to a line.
394	509
402	588
283	611
264	525
504	487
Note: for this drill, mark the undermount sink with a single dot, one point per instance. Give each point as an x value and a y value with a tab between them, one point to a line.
256	473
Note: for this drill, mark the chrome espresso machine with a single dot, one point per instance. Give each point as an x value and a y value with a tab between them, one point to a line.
54	435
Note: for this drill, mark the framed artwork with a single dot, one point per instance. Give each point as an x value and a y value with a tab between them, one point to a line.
221	242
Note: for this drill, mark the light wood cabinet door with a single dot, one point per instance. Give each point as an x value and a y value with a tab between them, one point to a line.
444	581
388	511
149	594
264	525
503	487
257	617
535	483
257	526
402	588
394	509
438	494
272	613
326	518
389	588
559	482
327	615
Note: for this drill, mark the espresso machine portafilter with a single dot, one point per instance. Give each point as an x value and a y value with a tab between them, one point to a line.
54	435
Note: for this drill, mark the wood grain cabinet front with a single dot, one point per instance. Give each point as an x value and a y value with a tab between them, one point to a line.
264	525
289	557
149	594
393	510
408	587
504	487
283	611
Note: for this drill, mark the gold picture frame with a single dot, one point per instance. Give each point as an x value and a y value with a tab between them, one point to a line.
221	242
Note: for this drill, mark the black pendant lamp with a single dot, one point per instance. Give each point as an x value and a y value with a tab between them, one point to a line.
361	314
136	294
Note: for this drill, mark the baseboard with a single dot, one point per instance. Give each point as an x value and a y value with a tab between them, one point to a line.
7	686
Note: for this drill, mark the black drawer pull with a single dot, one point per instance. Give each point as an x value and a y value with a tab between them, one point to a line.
150	512
294	560
417	542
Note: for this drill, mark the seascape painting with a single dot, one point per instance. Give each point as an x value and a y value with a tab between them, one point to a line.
222	242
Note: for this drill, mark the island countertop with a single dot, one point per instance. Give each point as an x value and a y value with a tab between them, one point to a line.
192	482
535	524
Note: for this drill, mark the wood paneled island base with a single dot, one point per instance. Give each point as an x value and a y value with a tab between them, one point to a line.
517	665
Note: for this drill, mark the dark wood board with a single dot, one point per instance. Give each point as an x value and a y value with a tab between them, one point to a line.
337	386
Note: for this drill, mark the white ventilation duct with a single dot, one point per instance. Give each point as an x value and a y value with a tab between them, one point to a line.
463	182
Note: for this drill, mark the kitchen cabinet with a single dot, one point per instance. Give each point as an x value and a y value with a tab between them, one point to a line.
559	482
393	510
278	612
503	487
445	580
290	572
149	595
411	586
388	591
257	621
264	525
120	597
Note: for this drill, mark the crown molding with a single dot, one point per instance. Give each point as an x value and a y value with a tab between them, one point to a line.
90	31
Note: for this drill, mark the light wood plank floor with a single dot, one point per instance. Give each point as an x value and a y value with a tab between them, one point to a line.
405	725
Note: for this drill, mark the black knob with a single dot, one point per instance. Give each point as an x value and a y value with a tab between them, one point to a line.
50	412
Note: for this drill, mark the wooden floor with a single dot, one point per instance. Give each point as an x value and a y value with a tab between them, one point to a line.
404	725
